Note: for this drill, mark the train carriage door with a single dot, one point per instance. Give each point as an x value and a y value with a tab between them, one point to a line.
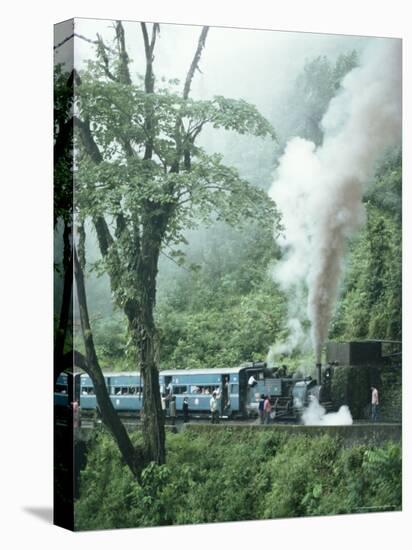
168	389
225	394
168	385
243	392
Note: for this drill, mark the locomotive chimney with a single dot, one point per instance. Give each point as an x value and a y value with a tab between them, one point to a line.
319	372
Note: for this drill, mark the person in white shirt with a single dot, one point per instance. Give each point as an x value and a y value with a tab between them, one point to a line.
163	402
374	403
214	407
252	381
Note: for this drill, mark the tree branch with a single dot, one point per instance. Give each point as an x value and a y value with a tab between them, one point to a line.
186	90
103	235
133	458
174	261
101	52
149	84
149	49
87	139
124	73
75	34
195	63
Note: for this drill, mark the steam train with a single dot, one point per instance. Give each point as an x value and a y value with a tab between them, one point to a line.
240	388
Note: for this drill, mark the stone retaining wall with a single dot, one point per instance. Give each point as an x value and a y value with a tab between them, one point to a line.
357	434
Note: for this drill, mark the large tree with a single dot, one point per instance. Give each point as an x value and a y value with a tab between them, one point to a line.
141	178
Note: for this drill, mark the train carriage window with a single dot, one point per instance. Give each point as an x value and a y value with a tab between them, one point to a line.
126	390
208	390
60	388
177	390
88	390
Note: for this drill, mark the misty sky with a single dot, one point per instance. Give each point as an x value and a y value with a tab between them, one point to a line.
255	65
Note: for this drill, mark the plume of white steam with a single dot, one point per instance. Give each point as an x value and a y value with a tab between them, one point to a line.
296	337
315	415
319	190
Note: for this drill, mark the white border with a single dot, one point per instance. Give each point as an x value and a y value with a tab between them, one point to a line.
26	268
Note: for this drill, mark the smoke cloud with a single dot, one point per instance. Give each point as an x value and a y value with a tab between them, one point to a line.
315	415
296	337
319	190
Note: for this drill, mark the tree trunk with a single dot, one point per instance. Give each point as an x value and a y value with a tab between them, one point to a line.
133	457
61	330
143	330
152	417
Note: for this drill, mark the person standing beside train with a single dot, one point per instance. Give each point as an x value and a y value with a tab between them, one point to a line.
375	403
172	410
267	409
214	407
261	408
185	410
163	402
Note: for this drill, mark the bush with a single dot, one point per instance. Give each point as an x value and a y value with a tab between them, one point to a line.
233	475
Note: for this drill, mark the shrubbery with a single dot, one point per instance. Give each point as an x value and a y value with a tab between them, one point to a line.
230	475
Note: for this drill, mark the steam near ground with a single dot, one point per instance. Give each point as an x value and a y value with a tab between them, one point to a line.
319	189
315	415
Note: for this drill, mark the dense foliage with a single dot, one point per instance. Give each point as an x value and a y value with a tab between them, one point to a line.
371	304
230	475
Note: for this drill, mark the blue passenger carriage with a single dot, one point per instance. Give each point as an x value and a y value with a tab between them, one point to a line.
126	391
124	388
198	385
